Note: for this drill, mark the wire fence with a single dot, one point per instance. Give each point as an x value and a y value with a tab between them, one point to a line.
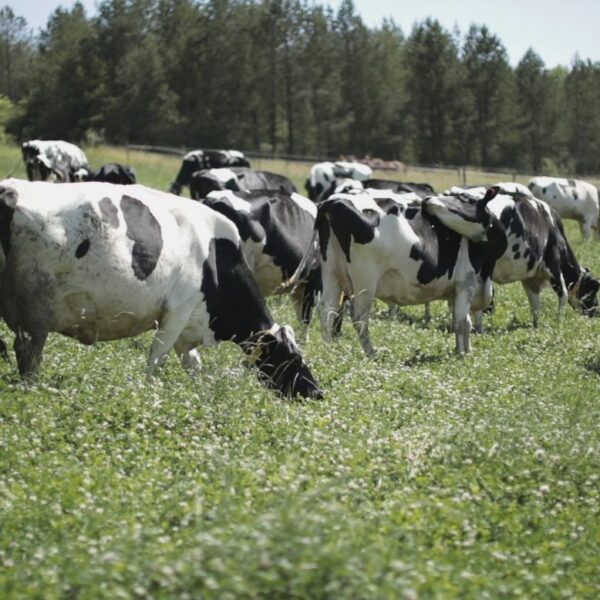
454	175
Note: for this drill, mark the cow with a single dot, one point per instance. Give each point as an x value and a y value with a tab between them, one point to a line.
276	230
52	159
109	173
571	199
98	261
197	160
538	252
420	189
237	179
407	253
324	177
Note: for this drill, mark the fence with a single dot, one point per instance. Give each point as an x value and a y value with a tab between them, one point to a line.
448	174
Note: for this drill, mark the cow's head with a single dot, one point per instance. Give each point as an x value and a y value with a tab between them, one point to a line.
583	294
280	364
37	165
81	174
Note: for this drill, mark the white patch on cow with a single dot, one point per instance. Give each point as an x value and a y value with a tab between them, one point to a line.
353	170
360	201
224	175
305	204
194	154
236	202
349	186
512	187
437	207
499	203
236	153
477	193
404	198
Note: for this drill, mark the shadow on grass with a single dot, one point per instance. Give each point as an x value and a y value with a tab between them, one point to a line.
418	358
515	325
593	365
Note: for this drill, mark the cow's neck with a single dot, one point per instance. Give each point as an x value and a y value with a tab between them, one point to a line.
236	308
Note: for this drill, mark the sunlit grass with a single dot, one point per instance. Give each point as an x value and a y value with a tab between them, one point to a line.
419	475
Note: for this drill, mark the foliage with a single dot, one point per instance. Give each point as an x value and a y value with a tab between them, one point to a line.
419	475
295	77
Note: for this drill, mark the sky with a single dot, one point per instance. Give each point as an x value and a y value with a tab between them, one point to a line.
555	29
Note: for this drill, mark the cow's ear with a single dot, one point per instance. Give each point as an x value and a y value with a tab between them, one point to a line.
593	285
491	193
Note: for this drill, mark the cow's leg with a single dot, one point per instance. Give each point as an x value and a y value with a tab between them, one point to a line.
189	359
303	304
586	229
169	330
329	307
558	284
478	318
361	305
28	349
427	313
533	296
460	315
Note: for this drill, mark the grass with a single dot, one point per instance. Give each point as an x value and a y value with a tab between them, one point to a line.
420	475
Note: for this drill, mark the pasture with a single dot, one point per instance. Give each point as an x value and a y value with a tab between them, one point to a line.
420	475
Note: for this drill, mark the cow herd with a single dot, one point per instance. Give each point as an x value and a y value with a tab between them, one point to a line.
103	258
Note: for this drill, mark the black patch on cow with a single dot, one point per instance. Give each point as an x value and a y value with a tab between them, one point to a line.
109	211
247	226
517	255
114	173
349	224
420	189
233	301
82	249
515	247
145	231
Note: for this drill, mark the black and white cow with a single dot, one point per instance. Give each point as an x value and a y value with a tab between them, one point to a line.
571	199
47	159
97	261
198	160
324	177
406	253
109	173
276	230
420	189
538	252
237	179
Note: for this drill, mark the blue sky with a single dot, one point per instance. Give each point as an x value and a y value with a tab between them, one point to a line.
556	30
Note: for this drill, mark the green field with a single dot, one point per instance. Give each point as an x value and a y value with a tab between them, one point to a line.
420	475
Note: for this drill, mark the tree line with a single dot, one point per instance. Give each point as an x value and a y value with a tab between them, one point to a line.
294	77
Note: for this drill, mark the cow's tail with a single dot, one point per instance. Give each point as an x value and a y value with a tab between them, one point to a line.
306	265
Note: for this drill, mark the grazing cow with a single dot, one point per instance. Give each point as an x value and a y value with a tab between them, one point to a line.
571	199
276	230
109	173
97	261
47	159
324	177
420	189
538	252
407	253
237	179
198	160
